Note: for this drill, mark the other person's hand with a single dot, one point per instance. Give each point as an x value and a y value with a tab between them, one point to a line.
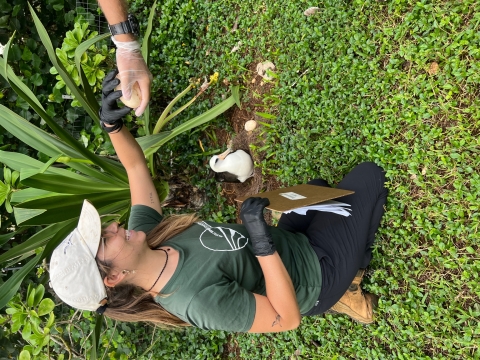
110	113
133	69
251	214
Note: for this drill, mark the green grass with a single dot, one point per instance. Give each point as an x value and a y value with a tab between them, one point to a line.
357	82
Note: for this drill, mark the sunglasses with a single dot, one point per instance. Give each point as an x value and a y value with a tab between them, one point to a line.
103	238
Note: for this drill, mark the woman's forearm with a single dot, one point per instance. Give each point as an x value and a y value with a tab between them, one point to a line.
127	149
280	291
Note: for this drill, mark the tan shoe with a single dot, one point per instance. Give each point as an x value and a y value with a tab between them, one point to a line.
355	303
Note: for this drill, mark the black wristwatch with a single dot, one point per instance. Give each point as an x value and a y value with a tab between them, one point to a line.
130	26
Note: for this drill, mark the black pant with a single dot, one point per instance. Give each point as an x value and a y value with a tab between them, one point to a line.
343	244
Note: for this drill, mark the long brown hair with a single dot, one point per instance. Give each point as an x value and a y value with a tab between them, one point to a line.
127	302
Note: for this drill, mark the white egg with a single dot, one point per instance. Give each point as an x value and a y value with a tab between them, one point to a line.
135	99
250	125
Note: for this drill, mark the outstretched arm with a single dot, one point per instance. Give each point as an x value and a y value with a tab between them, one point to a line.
278	311
142	189
131	65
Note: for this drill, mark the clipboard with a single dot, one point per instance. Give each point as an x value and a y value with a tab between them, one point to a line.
298	196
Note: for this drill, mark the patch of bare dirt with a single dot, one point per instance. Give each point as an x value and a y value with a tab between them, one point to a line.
241	139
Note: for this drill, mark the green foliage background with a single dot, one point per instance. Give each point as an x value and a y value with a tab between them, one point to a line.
356	82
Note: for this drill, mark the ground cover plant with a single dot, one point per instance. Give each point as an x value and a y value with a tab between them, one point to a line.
392	82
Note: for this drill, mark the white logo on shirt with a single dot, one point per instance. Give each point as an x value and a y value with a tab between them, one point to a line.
228	239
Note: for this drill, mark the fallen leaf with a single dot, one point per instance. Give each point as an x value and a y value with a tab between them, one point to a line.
236	47
424	170
310	11
235	25
263	67
433	69
413	176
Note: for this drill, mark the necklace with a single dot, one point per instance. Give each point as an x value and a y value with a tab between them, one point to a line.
161	272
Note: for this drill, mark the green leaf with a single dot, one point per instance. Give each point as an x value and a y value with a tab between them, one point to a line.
18	319
69	206
96	336
266	116
27	331
37	240
46	306
24	355
27	54
97	60
38	349
4	238
146	144
29	194
10	287
16	83
162	120
90	107
66	185
20	162
149	141
36	61
30	289
31	298
37	341
7	175
11	311
4	190
39	292
4	21
36	79
15	176
23	215
79	51
62	56
8	206
51	320
51	146
236	95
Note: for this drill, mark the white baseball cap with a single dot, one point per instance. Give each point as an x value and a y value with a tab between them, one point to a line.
74	274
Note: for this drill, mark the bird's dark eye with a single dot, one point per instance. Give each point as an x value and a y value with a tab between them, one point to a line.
216	160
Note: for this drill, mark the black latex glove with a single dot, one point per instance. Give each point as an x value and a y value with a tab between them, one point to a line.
109	112
251	214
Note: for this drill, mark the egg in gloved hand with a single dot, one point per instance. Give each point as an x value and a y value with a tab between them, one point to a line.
136	98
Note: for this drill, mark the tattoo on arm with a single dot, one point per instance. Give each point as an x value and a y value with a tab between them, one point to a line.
151	198
277	321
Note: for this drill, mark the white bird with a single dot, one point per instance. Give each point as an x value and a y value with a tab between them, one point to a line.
236	166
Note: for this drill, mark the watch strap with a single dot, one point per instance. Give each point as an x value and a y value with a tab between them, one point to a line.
121	28
130	26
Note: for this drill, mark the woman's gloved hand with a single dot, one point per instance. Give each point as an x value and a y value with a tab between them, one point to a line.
251	214
109	112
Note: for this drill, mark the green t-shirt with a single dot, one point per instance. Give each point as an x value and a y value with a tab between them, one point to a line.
217	273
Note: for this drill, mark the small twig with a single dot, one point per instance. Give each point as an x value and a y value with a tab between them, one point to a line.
153	334
151	344
109	341
295	82
62	342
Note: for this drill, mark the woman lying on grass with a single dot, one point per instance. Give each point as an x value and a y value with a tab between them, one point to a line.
181	271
